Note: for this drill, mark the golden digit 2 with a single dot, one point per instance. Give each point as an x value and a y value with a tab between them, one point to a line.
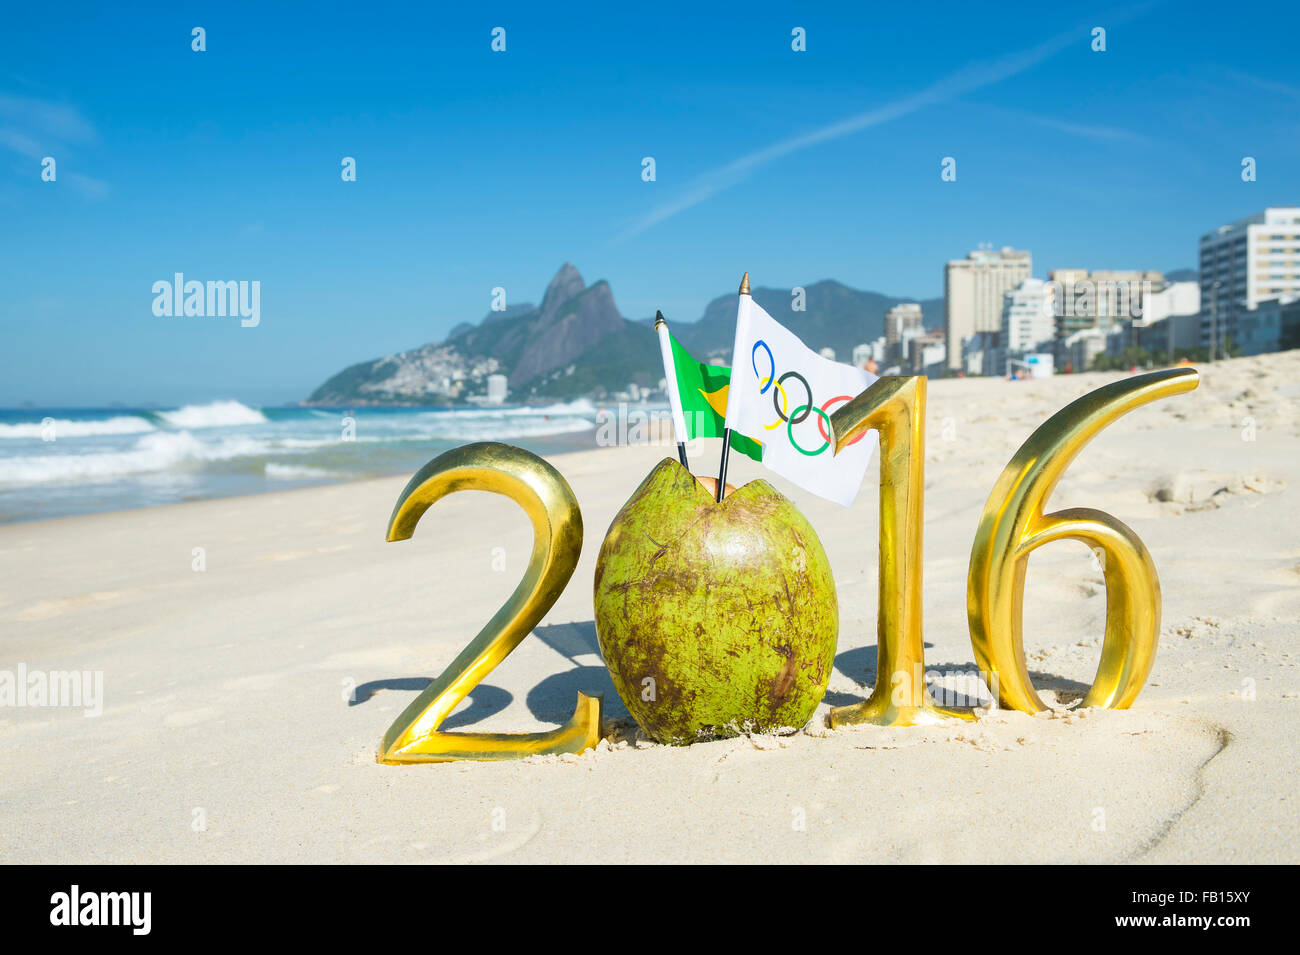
550	505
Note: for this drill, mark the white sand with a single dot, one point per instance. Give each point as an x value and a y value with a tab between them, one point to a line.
226	690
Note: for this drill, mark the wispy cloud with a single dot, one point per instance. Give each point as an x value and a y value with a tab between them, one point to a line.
20	143
1095	132
1272	86
35	128
55	120
970	78
88	186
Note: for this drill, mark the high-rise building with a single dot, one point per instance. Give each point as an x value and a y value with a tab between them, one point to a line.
900	318
972	289
1101	298
496	389
1252	260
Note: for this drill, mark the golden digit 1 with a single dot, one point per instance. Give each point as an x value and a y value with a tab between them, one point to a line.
1013	525
895	408
549	503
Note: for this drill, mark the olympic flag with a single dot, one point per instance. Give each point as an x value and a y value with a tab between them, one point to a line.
782	393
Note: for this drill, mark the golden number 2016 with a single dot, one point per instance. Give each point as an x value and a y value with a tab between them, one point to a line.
1011	527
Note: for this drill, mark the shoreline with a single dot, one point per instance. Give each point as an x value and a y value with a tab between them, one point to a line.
229	463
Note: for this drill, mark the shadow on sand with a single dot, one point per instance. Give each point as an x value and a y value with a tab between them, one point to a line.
550	701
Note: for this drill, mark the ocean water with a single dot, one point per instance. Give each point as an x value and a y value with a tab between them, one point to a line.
56	462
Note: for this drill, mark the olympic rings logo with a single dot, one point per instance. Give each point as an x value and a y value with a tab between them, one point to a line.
781	402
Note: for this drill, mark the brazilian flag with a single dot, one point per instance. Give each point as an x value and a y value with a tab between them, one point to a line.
702	390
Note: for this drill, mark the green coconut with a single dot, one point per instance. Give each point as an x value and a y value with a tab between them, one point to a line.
714	619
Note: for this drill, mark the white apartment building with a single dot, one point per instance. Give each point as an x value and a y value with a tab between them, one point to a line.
1028	318
1252	260
973	288
1177	298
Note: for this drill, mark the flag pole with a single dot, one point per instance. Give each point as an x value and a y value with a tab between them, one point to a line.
670	378
726	432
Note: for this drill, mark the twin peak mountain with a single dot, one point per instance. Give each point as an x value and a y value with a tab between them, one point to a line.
576	343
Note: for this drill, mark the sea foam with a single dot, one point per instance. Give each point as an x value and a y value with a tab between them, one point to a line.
215	414
64	428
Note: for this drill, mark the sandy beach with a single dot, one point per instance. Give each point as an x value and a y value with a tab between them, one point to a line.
243	703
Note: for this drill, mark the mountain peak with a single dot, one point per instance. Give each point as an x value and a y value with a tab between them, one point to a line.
566	285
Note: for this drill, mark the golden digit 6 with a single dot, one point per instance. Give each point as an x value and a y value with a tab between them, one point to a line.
1013	525
553	510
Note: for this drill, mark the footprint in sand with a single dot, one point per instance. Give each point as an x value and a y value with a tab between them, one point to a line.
1201	490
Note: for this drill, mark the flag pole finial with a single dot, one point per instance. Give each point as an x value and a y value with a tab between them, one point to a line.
744	285
659	319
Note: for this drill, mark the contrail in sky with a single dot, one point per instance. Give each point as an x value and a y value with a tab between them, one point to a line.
968	79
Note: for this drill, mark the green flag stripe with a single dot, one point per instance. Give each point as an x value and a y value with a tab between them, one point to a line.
695	380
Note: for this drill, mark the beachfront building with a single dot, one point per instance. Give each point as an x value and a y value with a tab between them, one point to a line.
981	354
902	317
1028	327
973	288
1028	322
1246	263
1101	298
1273	325
1082	347
1170	322
926	353
496	389
905	343
869	351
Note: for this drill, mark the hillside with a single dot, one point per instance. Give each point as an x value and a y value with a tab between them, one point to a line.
835	316
577	343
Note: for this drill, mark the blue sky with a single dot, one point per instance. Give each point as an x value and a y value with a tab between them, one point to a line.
478	169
